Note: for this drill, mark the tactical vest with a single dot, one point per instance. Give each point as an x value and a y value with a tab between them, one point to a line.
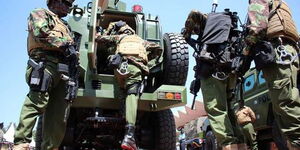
59	30
281	23
132	45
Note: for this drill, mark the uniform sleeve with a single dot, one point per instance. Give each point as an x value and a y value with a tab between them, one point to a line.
153	49
108	39
258	13
41	24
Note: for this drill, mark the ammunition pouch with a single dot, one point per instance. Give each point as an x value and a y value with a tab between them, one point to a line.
115	61
264	55
39	80
217	54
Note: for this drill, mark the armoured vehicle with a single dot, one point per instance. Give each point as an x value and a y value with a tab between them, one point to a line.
256	97
96	120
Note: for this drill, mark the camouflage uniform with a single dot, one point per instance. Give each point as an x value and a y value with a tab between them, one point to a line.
119	33
137	68
281	79
45	44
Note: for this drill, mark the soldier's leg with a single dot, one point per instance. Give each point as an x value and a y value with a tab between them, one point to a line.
238	132
132	87
131	108
250	135
53	124
34	105
285	98
215	101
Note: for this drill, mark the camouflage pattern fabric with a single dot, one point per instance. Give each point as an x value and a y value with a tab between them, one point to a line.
41	23
152	49
43	30
258	13
117	27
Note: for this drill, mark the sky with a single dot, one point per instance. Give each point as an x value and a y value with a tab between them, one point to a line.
13	25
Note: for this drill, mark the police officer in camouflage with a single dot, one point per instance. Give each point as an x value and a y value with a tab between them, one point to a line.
48	38
272	40
130	67
218	81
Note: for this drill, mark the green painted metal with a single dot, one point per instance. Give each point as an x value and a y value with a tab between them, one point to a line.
257	98
147	26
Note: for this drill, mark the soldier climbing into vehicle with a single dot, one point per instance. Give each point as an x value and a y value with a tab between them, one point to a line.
130	59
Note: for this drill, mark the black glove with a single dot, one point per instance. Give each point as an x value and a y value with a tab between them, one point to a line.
115	61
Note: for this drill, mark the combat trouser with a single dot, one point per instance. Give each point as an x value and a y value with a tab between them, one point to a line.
50	103
216	95
250	136
131	102
282	84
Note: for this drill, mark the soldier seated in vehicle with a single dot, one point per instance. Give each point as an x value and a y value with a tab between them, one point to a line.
130	61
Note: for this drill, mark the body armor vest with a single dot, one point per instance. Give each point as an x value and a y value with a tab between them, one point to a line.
132	45
59	30
281	23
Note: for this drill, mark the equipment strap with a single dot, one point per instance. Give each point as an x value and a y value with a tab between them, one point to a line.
272	13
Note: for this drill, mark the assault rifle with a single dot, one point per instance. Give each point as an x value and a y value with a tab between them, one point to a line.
72	72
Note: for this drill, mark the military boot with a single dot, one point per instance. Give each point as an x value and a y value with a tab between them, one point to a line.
291	147
230	147
23	146
129	141
242	146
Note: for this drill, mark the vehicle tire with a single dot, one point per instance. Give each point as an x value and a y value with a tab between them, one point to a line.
278	138
211	141
39	133
176	59
165	131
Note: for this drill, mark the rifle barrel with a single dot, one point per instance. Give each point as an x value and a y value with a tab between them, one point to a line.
193	104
